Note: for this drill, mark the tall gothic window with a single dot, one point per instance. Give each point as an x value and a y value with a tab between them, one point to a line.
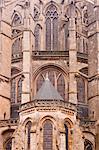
19	92
80	90
48	135
88	145
28	134
37	37
13	91
51	28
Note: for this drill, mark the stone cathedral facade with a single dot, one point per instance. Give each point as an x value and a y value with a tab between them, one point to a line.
49	74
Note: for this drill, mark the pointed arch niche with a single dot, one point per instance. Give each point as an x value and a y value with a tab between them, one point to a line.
57	77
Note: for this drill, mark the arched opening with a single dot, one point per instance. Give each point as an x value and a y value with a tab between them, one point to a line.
47	135
88	145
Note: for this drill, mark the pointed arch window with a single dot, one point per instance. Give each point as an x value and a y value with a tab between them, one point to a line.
37	37
16	20
52	28
19	95
48	135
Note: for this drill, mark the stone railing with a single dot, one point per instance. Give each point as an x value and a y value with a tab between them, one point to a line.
10	122
50	54
48	104
82	57
87	123
17	57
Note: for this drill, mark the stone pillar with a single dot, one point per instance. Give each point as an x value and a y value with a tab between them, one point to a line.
5	66
93	61
27	58
72	57
33	141
62	141
97	138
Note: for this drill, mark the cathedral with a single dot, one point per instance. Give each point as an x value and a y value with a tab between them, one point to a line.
49	74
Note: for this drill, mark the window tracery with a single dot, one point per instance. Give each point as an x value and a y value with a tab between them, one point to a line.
48	135
51	28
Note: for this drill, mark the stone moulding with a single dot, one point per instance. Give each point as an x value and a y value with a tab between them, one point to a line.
49	105
10	122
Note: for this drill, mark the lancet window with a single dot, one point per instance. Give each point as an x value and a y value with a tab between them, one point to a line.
37	37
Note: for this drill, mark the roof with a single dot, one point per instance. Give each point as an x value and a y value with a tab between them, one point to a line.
47	92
